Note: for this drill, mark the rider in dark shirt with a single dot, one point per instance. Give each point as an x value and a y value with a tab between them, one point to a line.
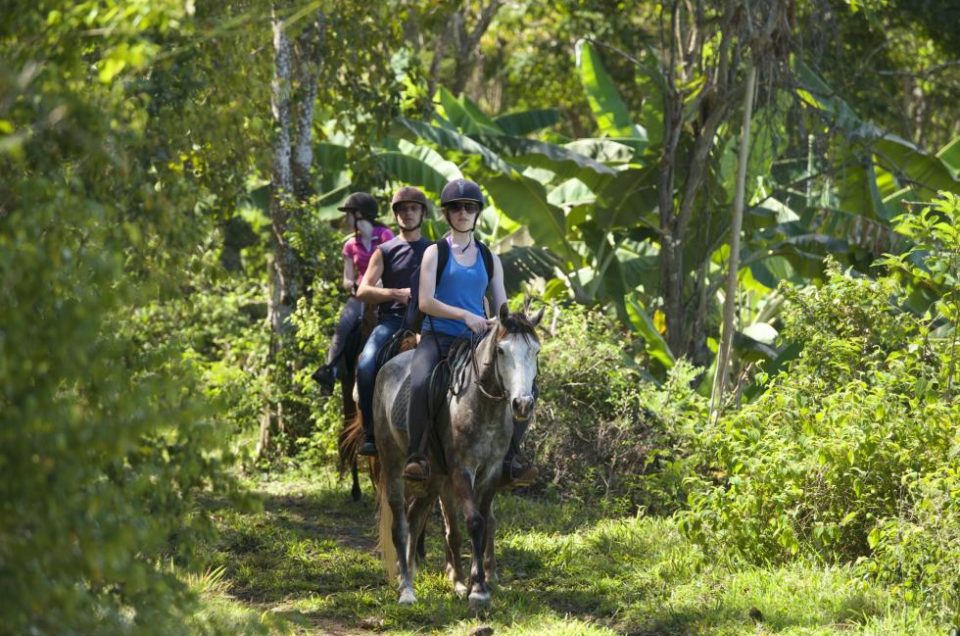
393	264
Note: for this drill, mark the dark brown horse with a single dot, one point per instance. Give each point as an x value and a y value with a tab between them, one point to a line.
349	442
491	387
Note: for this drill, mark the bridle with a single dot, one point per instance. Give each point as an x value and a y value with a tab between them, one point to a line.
459	370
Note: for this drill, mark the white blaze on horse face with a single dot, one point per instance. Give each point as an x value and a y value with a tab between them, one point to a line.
517	366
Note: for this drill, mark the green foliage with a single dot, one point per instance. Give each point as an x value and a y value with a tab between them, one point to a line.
603	431
106	437
930	268
306	562
829	453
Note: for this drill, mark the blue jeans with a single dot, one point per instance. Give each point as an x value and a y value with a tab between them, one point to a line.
367	365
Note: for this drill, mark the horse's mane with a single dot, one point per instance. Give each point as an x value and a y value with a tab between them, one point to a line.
517	322
463	353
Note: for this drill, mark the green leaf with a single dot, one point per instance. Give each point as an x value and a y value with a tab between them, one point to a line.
950	155
453	140
642	324
330	157
527	121
563	162
605	149
466	115
420	166
752	350
609	110
525	200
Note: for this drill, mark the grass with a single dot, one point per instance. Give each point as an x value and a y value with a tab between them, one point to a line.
304	563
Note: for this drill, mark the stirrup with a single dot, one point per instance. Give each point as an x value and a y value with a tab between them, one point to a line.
517	475
417	468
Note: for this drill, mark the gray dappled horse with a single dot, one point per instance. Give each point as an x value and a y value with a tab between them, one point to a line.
491	386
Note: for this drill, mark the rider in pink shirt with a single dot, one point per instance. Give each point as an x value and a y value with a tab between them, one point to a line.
368	235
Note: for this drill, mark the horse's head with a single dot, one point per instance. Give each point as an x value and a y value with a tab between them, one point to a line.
517	347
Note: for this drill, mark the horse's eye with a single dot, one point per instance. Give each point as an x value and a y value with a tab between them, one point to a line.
500	349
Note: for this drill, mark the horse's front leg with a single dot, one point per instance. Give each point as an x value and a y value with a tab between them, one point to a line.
463	488
417	514
489	557
401	538
454	540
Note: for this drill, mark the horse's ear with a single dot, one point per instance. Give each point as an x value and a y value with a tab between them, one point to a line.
504	312
537	317
526	304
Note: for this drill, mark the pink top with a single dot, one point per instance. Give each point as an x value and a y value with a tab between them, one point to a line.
353	249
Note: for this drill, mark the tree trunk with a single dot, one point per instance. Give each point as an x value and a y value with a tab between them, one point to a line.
308	61
283	263
730	299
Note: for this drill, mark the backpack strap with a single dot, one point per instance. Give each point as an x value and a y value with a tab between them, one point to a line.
443	256
487	256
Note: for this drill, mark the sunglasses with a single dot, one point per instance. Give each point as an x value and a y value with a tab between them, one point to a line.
467	206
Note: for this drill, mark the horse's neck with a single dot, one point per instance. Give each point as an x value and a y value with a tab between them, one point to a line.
486	362
472	396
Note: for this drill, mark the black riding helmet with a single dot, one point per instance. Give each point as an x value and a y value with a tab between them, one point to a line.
461	190
362	204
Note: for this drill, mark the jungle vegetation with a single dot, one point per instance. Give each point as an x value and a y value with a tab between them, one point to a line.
742	217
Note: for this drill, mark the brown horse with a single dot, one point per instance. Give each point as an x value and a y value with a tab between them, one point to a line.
491	387
349	444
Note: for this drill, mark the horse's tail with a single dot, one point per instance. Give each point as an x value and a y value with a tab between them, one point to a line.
350	440
388	551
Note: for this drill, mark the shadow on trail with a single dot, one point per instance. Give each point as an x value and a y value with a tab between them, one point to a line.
309	557
312	543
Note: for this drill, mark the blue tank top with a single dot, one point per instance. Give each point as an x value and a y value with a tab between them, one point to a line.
461	287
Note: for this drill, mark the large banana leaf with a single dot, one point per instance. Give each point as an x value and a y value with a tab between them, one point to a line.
950	155
609	110
419	165
330	157
642	324
466	115
563	162
571	193
525	200
453	140
929	172
627	199
527	121
524	263
923	171
411	170
608	151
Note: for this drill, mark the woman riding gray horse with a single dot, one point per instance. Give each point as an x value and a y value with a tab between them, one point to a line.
491	388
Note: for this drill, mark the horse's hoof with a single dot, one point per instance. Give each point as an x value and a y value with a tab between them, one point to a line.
478	600
460	589
407	597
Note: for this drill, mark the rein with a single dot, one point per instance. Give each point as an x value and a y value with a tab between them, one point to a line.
459	368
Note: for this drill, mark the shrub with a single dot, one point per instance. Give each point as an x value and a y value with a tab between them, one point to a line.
603	429
828	453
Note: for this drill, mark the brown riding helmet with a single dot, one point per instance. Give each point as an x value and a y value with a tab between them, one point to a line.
409	194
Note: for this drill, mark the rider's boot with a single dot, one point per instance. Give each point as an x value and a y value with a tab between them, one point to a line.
325	376
369	447
418	466
516	473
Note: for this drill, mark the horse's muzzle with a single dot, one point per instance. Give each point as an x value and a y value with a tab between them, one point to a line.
522	407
